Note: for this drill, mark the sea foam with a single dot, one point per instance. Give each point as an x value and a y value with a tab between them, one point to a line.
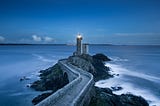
118	69
118	59
126	85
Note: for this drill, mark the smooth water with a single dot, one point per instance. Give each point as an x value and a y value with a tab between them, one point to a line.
19	61
137	66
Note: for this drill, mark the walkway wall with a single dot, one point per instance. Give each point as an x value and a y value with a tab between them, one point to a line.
75	78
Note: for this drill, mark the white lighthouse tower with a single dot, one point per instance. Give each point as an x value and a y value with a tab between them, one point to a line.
79	44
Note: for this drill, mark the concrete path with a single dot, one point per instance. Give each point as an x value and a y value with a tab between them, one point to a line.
73	93
68	98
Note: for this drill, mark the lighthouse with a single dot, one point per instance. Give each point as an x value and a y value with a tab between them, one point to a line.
80	48
79	44
85	48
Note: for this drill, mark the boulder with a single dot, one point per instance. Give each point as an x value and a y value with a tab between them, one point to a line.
105	97
101	57
24	78
132	100
116	88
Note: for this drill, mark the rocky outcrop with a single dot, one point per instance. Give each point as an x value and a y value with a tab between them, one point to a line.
52	78
93	64
105	97
101	57
39	98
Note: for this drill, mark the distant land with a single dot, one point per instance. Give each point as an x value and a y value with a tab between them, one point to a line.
47	44
16	44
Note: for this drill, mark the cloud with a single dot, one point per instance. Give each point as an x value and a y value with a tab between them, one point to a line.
48	39
36	38
41	39
2	38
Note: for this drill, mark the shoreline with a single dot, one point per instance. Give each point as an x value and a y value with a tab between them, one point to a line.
127	87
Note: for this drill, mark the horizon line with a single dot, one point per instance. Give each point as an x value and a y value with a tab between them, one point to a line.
75	44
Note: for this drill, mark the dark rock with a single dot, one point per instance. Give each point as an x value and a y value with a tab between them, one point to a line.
106	90
132	100
116	88
52	78
93	64
102	72
39	98
24	78
28	85
101	57
105	97
115	74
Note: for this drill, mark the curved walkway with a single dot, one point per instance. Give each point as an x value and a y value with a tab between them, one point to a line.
73	93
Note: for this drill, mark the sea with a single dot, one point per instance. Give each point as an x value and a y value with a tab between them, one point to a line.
136	70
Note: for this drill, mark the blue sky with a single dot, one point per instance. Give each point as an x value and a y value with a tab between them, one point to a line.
99	21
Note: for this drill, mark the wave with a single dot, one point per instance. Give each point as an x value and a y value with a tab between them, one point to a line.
21	93
126	85
128	88
118	69
34	75
118	59
43	58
